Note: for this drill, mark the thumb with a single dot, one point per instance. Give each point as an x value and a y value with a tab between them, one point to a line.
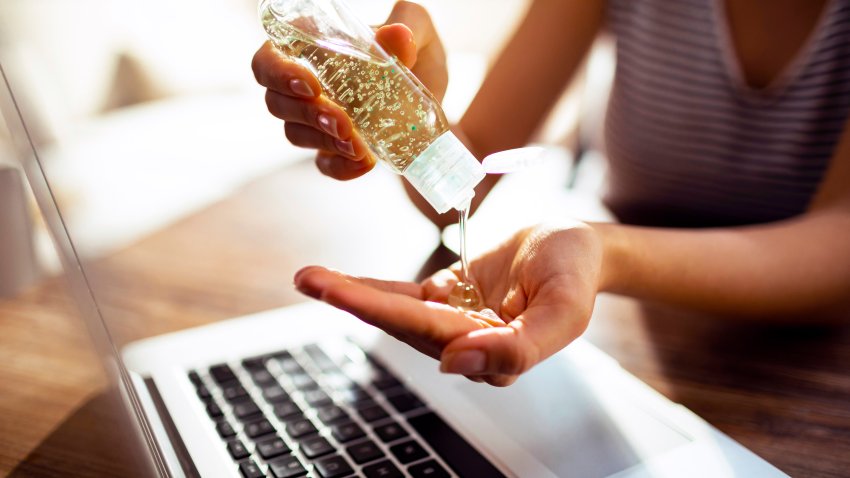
407	30
506	350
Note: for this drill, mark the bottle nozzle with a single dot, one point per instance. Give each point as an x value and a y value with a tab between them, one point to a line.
445	174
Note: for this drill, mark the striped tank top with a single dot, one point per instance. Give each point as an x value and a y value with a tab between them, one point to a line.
690	144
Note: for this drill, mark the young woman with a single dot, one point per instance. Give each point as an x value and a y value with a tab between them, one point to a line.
729	117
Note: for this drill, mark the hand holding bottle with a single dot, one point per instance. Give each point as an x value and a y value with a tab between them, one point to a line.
540	286
294	94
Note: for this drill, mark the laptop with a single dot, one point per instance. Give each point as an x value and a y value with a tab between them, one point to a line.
308	390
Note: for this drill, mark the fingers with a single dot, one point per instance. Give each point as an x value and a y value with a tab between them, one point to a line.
343	168
319	113
397	313
494	351
409	25
512	350
409	34
312	120
397	39
439	285
275	71
308	137
317	277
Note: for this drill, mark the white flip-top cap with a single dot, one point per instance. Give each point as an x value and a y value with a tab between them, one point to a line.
445	174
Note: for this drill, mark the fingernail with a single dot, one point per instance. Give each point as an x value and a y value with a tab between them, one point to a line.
301	88
465	362
345	147
328	125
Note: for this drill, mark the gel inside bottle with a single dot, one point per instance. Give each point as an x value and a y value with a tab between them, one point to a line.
399	119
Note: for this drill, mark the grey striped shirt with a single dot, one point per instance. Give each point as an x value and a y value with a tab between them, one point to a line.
690	144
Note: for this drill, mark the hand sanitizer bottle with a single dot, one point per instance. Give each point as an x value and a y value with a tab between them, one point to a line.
396	115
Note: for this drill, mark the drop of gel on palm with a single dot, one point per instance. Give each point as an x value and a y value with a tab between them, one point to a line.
464	296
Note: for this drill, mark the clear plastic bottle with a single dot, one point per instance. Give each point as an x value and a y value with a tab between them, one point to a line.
396	115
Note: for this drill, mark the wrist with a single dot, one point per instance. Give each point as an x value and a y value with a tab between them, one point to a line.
612	273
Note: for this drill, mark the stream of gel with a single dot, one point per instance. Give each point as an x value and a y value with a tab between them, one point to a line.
464	295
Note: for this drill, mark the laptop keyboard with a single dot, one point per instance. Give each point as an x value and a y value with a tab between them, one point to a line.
329	411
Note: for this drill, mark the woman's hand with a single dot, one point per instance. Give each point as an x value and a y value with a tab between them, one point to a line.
540	287
313	121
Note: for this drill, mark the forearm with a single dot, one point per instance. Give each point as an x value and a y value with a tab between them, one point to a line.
779	271
532	71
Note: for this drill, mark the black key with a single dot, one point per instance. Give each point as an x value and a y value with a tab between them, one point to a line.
316	446
390	432
320	357
364	451
408	452
225	429
286	467
405	402
382	469
300	428
271	447
452	448
258	428
213	410
347	431
275	394
246	410
386	382
250	469
283	354
304	382
333	467
284	410
428	469
317	398
237	449
331	414
263	377
371	412
222	374
195	378
254	363
203	392
234	393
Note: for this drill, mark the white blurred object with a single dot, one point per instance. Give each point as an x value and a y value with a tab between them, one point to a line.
72	55
514	160
18	265
139	169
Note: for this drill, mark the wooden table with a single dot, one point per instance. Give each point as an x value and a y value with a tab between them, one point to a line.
782	392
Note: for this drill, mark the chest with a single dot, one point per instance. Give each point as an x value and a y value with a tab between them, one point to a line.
767	35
